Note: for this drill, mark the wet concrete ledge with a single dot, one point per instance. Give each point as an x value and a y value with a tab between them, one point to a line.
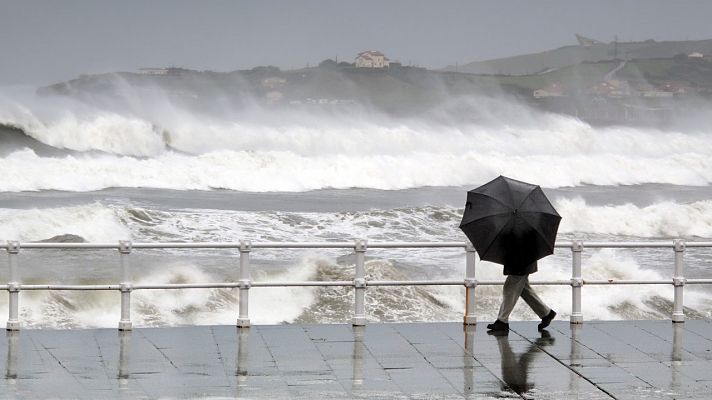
596	360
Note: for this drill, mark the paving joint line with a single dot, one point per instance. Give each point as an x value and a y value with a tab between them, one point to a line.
637	349
160	351
428	361
101	356
331	369
217	346
64	367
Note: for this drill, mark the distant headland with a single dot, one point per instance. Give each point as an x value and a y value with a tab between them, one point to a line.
617	82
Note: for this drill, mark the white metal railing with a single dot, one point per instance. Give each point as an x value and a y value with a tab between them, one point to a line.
359	283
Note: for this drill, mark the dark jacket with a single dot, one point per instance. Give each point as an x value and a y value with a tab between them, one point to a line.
520	269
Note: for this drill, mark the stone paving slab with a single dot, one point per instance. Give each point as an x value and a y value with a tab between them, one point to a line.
595	360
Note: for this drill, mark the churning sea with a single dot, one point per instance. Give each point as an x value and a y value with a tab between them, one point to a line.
72	171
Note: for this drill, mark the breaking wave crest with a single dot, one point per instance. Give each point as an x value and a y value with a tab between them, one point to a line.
662	219
159	144
92	223
99	222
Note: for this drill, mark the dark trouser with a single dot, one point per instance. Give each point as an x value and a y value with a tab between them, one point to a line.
514	287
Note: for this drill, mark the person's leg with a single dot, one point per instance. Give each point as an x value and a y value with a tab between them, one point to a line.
511	291
539	307
534	302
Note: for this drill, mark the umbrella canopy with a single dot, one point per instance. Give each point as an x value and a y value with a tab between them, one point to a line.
510	222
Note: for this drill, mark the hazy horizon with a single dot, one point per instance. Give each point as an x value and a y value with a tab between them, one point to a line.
45	42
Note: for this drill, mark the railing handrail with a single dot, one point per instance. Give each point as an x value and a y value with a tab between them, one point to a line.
359	283
335	245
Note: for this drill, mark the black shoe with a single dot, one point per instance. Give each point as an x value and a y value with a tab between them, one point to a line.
498	326
546	320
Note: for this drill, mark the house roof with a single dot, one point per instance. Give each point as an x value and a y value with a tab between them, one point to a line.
372	53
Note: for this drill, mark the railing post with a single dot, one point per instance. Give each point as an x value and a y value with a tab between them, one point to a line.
678	281
125	248
576	282
13	287
359	318
470	284
243	320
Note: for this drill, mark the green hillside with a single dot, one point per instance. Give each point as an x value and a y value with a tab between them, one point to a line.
692	73
582	75
408	90
571	55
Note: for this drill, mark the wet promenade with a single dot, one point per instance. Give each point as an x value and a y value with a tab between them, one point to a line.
597	360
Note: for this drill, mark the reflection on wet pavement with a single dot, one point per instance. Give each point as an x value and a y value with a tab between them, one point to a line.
515	367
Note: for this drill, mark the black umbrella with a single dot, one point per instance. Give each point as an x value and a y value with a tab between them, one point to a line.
510	222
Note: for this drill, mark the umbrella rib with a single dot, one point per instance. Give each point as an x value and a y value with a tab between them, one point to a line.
493	198
487	216
545	198
511	197
494	239
525	197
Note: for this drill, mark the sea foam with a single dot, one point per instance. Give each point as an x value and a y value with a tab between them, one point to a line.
263	150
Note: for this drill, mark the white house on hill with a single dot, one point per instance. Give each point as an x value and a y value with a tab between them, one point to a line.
372	59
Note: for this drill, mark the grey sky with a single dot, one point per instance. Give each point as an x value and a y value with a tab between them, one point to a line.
48	41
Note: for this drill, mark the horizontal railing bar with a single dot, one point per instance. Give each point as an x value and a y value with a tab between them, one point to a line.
157	245
415	283
591	282
698	244
290	284
303	245
70	287
348	245
68	246
306	283
499	283
226	285
613	245
627	282
187	245
404	245
333	245
236	245
233	285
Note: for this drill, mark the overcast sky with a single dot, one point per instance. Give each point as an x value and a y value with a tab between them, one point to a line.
48	41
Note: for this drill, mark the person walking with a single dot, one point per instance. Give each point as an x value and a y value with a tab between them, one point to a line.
515	286
512	223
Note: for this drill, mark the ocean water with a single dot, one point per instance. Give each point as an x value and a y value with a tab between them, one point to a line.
151	170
